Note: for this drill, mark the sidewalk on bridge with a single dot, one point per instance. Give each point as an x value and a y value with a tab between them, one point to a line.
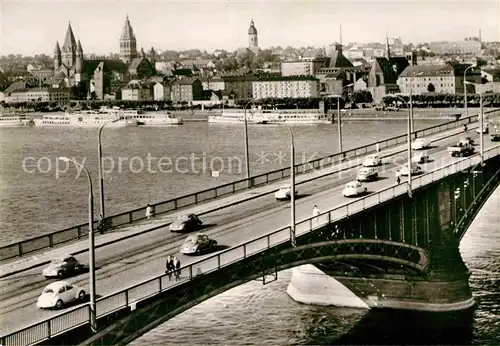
44	257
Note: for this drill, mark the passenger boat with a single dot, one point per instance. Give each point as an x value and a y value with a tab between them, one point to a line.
12	120
272	116
155	119
233	116
88	118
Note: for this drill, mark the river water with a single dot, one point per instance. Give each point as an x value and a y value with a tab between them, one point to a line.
39	194
253	314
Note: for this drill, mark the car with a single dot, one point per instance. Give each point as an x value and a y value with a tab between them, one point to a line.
284	193
415	169
420	144
63	267
485	129
466	141
59	293
367	174
372	160
197	244
354	188
186	223
420	157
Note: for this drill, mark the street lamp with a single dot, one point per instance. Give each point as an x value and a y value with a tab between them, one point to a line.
465	89
411	99
101	182
292	185
409	147
339	124
247	161
481	119
93	320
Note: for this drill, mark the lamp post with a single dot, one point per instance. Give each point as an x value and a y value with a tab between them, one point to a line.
411	100
247	161
93	320
408	148
465	90
339	123
292	185
101	182
481	120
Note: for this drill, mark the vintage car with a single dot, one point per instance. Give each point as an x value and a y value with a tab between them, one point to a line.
186	223
59	293
284	193
415	169
63	267
486	129
353	189
420	144
197	244
372	160
420	157
466	140
367	174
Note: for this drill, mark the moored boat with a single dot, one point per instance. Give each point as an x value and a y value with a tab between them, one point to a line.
13	120
155	119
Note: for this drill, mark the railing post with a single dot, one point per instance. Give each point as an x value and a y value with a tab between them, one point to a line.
234	189
190	272
159	284
196	198
126	298
49	329
268	241
175	203
20	249
79	232
218	261
244	250
129	217
51	240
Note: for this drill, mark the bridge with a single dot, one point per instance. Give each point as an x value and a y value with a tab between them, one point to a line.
381	229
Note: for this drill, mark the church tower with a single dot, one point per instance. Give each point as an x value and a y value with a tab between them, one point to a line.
253	40
79	58
128	43
387	48
68	53
57	57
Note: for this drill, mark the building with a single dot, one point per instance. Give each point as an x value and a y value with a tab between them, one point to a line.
137	91
104	74
253	38
69	60
141	68
214	84
466	47
301	67
446	78
240	87
58	95
161	91
128	43
187	90
286	87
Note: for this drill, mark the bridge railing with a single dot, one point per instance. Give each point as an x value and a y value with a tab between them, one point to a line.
77	232
128	297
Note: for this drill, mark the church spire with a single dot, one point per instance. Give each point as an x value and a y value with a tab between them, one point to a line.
127	32
128	43
69	40
57	50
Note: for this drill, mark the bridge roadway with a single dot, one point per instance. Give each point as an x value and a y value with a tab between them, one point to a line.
130	262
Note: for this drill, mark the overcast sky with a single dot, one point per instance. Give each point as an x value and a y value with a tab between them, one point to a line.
30	27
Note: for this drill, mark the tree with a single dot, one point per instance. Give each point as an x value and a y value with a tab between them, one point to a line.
431	88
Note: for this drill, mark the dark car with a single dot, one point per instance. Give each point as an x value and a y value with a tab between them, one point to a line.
186	223
63	267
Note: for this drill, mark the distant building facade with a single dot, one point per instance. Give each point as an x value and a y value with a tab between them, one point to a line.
286	87
161	91
137	91
187	90
471	47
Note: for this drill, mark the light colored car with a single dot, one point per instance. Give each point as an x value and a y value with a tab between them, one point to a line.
420	157
186	223
485	129
372	160
59	293
420	143
197	243
354	188
367	174
415	169
63	267
284	192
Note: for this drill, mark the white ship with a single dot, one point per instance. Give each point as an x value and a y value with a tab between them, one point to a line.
88	118
233	116
11	120
272	116
155	119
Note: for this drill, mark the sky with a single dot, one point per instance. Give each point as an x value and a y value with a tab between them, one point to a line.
33	27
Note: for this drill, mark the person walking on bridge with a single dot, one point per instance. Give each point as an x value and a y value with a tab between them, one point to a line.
169	267
398	177
177	266
316	214
149	211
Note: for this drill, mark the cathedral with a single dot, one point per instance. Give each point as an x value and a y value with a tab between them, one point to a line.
68	61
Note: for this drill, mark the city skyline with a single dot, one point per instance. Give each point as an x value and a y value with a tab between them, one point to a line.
211	25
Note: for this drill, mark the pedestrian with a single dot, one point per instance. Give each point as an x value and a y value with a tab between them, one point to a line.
149	212
377	147
177	266
316	214
465	128
398	177
169	267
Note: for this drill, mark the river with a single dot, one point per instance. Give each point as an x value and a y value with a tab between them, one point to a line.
39	194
